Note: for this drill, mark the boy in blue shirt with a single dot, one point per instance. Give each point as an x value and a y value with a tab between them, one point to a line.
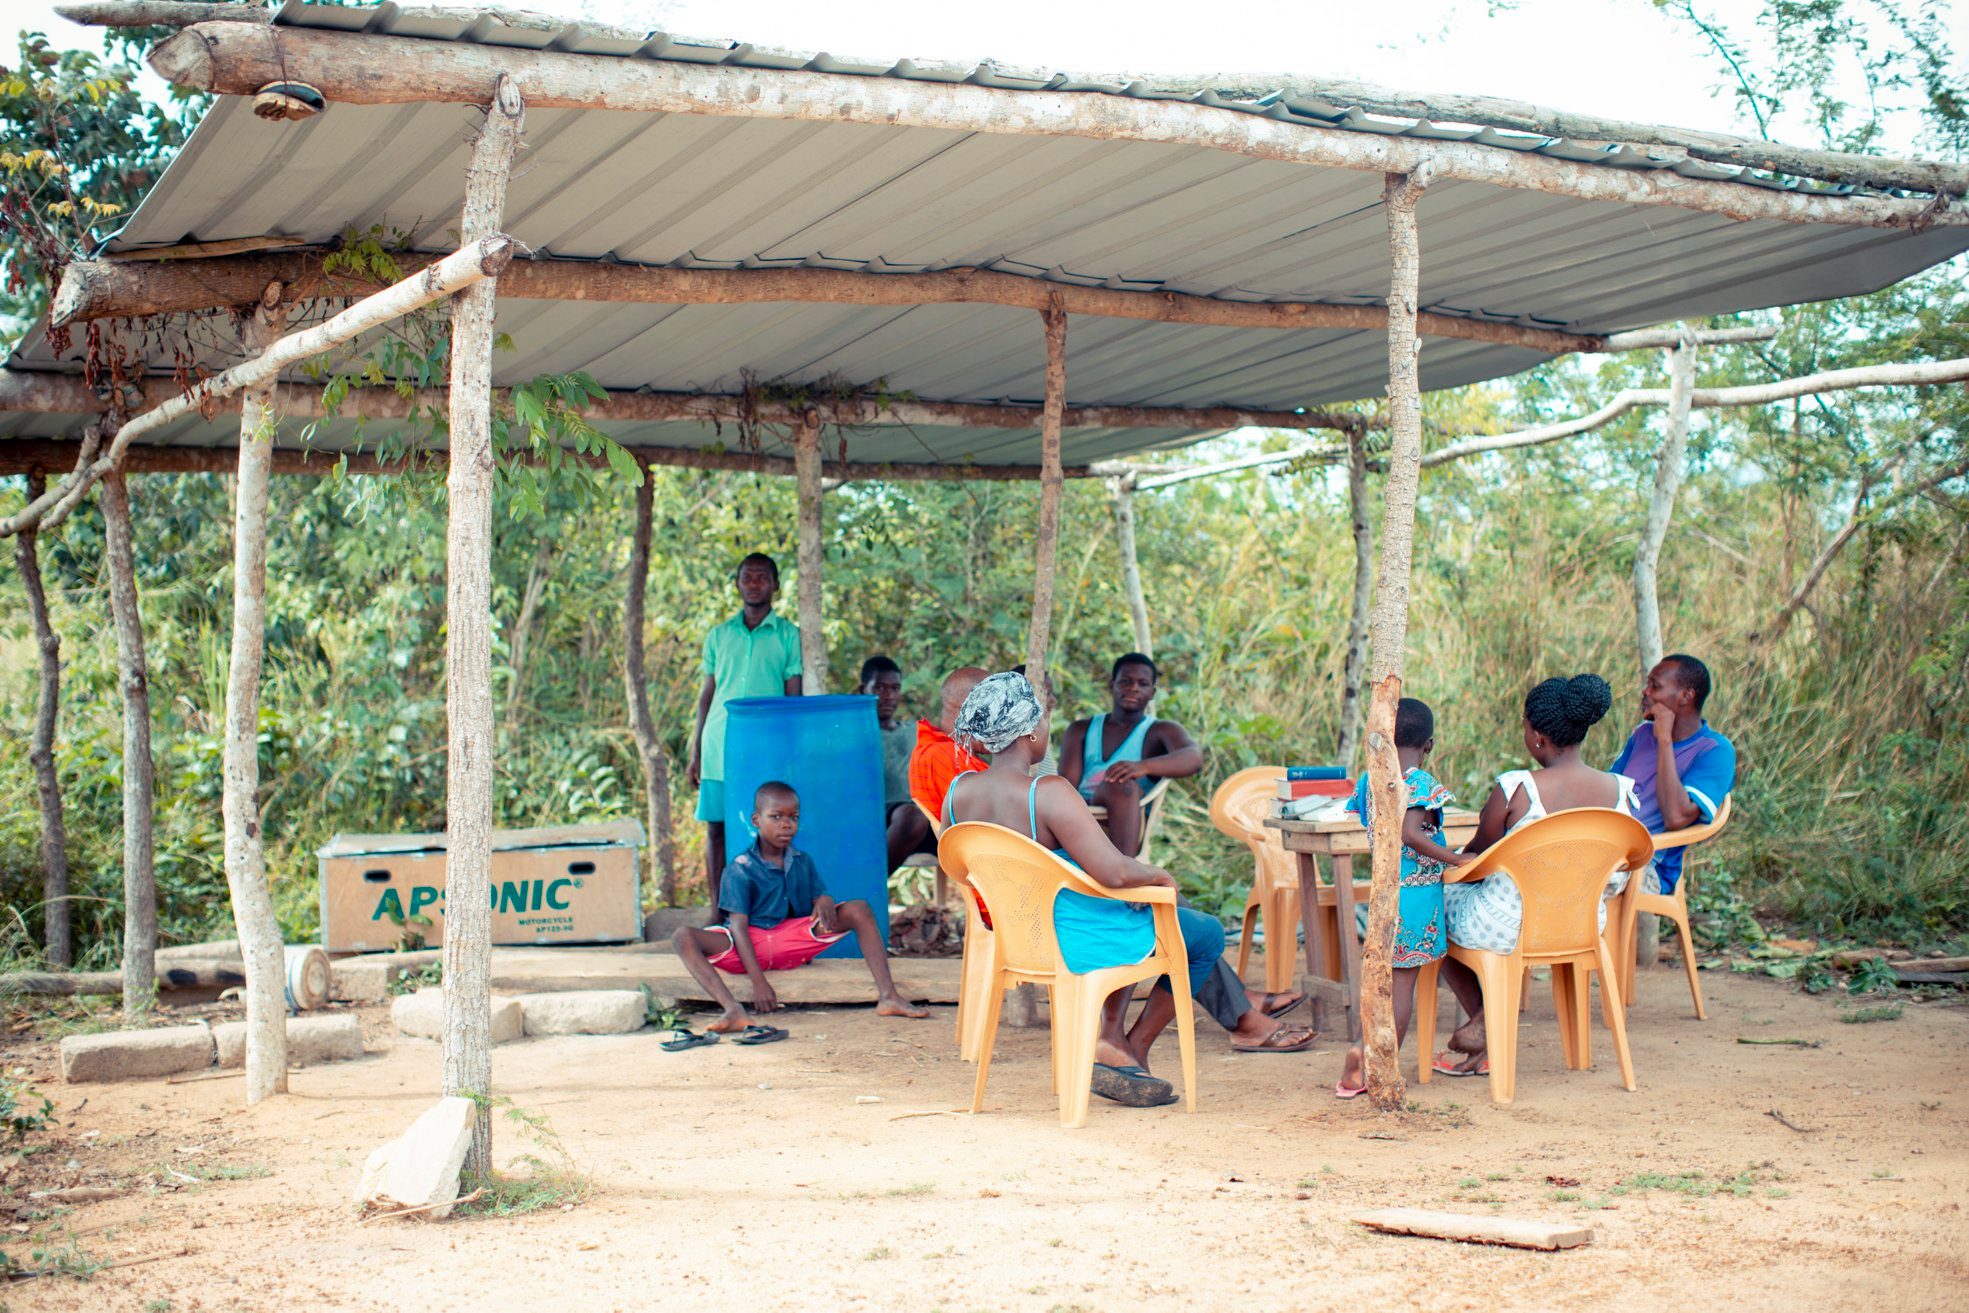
1681	768
779	916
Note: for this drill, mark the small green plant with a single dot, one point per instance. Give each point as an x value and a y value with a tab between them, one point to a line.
911	1191
877	1254
1816	977
19	1114
1878	1012
1468	1183
1873	976
407	981
551	1180
660	1015
1562	1196
227	1171
1694	1184
158	1305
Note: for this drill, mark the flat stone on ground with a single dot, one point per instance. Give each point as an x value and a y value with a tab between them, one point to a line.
420	1167
421	1016
583	1012
332	1038
828	982
136	1054
366	978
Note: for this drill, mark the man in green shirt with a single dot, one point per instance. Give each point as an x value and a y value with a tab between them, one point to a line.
755	654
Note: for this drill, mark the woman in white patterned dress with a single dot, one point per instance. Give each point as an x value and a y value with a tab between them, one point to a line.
1489	913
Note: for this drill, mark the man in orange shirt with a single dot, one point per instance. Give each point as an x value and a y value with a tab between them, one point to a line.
938	759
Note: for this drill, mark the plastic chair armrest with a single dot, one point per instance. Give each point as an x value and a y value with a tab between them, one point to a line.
1148	893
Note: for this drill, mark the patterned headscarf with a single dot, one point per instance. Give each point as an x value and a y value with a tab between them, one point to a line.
998	711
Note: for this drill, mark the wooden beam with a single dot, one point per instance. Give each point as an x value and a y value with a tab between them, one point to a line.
132	284
355	68
478	260
1387	792
68	394
471	744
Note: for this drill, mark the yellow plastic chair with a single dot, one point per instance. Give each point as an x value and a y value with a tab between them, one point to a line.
1675	907
1561	864
1020	880
977	951
1238	809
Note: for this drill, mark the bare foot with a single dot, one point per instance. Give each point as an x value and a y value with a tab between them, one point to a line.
1114	1055
730	1023
1273	1005
1351	1075
1469	1038
894	1005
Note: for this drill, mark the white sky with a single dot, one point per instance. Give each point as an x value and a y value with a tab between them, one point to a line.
1617	58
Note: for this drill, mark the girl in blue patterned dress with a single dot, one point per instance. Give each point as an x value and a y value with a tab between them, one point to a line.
1419	934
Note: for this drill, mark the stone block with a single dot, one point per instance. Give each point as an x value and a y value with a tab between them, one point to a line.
366	979
420	1168
332	1038
212	950
136	1054
663	922
421	1015
583	1012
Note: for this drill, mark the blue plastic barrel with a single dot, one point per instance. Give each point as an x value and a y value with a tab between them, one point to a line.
829	749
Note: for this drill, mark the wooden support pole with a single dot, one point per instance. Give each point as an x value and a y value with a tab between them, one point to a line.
811	555
1121	492
649	744
471	742
373	69
57	944
1046	542
1661	505
480	259
1354	674
260	943
139	866
1388	796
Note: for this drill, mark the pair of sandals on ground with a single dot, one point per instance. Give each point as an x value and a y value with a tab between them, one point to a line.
752	1035
1134	1087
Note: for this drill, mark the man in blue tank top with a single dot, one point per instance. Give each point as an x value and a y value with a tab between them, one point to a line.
1117	756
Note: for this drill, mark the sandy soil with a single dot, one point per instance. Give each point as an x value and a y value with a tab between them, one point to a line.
759	1178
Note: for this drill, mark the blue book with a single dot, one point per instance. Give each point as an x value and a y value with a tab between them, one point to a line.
1315	773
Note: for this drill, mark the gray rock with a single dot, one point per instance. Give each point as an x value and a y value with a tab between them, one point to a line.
583	1012
420	1168
660	924
331	1038
136	1054
421	1015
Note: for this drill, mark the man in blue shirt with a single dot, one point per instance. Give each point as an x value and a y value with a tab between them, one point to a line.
779	916
1681	768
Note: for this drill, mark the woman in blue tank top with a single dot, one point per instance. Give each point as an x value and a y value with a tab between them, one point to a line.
1003	716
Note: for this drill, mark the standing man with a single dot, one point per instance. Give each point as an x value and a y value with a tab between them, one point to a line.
1114	757
908	830
1682	769
755	654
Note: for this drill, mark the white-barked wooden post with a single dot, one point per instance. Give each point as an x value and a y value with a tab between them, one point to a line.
1046	543
246	867
1121	492
1388	797
1661	504
139	866
810	553
57	943
471	743
649	745
1354	675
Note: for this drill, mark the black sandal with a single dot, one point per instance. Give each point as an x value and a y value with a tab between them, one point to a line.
1131	1087
759	1035
688	1039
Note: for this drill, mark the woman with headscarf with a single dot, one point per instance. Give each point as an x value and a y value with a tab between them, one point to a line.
1005	718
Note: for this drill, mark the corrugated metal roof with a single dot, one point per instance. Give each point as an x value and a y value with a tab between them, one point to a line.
696	191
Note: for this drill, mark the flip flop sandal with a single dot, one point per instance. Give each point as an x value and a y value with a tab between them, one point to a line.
688	1039
759	1035
1276	1012
1131	1086
1449	1063
1298	1046
1342	1092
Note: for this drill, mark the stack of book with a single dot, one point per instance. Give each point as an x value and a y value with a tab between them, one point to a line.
1309	792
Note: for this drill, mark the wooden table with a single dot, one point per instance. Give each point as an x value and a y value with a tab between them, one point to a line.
1341	839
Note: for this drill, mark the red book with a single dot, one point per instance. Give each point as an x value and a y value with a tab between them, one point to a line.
1289	789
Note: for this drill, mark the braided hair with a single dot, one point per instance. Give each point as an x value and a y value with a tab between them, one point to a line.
1564	709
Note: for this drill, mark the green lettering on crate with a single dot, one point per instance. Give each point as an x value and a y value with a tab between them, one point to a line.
421	897
537	885
555	898
512	897
390	905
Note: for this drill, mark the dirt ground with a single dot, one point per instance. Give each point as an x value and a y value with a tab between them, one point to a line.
830	1171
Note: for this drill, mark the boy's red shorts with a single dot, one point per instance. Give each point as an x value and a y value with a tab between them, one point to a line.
791	943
